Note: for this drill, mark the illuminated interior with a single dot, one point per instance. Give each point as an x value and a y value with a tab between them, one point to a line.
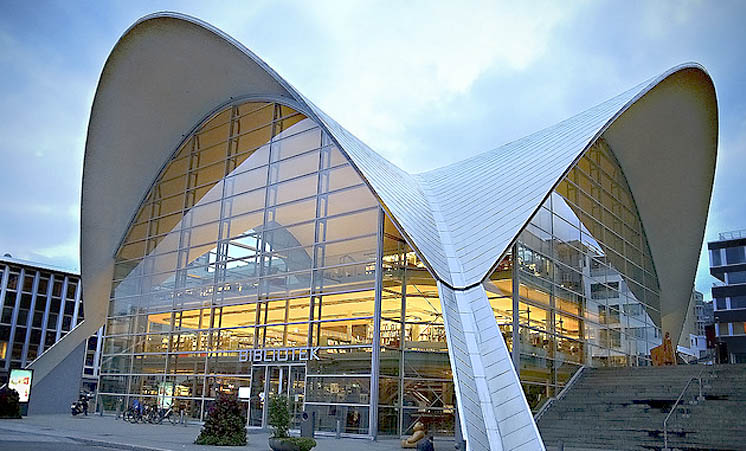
259	234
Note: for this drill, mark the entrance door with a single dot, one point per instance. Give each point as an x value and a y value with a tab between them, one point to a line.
296	392
256	401
271	380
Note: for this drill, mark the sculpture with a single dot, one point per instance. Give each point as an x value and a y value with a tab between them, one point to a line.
419	434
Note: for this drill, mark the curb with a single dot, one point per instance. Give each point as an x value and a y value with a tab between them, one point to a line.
116	445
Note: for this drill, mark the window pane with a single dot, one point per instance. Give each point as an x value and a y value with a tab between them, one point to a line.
715	257
736	276
297	143
294	167
735	255
737	302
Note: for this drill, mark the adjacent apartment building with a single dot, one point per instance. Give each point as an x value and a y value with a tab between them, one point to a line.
40	304
728	264
704	315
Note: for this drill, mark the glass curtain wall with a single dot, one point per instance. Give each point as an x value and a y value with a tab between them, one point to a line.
416	383
258	234
587	289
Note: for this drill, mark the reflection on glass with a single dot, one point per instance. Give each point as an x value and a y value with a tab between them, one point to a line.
258	234
588	289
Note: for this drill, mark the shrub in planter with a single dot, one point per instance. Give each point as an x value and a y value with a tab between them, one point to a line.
279	416
10	405
225	423
279	419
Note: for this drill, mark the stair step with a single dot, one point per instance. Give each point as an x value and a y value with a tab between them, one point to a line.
624	408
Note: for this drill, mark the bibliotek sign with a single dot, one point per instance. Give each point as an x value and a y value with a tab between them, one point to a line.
279	355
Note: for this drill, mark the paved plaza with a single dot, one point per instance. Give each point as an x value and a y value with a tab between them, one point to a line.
97	432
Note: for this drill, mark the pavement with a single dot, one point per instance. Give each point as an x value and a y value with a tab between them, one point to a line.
65	432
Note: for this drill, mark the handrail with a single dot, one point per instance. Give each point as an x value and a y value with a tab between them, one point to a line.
549	402
698	378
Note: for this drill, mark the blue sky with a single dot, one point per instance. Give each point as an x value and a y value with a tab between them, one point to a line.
424	83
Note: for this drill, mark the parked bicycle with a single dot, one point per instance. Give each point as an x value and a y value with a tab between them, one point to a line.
143	413
139	413
135	413
168	414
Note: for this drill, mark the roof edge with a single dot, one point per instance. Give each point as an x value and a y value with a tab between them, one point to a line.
647	87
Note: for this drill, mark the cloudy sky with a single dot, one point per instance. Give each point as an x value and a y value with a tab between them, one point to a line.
424	83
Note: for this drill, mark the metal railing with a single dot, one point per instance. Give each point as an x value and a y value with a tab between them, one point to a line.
549	402
699	398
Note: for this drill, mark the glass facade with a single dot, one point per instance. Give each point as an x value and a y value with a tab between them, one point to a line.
416	383
260	260
258	234
587	289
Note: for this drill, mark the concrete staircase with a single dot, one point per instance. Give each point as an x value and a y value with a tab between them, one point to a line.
624	409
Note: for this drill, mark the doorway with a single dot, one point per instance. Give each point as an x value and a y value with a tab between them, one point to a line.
271	380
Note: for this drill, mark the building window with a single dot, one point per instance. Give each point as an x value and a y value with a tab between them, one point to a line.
735	277
608	291
738	302
734	255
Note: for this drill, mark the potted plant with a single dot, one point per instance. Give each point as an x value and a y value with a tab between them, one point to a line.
279	419
225	423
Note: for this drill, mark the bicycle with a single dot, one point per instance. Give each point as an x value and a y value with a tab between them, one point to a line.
134	414
140	413
150	414
167	414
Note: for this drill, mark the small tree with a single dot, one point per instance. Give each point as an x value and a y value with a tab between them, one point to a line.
10	403
225	423
279	419
279	416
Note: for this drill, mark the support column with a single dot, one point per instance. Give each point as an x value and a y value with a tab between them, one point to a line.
494	412
516	351
45	320
61	313
76	310
375	363
30	321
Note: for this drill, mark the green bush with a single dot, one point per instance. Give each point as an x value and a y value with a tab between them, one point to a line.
279	416
10	405
225	423
303	443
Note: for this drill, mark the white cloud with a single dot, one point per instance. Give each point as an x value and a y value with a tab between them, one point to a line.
400	63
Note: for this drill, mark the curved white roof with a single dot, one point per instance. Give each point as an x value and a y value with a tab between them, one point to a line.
169	71
461	218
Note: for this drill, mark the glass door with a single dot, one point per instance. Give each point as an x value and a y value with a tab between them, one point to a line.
296	392
256	401
271	380
278	380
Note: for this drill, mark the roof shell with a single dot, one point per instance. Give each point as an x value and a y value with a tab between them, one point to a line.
461	218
